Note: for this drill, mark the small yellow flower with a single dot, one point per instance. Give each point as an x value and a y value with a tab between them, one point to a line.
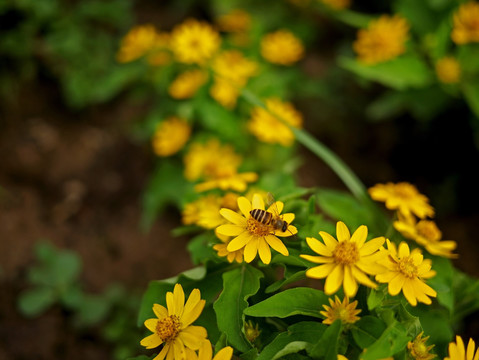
170	136
466	23
251	331
418	348
345	261
232	181
427	234
173	328
406	271
205	211
237	20
253	236
404	197
206	352
383	40
457	350
222	249
187	84
282	47
448	70
337	4
270	128
343	311
224	93
194	42
137	42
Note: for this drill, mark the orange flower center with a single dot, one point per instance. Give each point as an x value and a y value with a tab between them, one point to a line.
407	268
428	230
256	228
168	328
346	253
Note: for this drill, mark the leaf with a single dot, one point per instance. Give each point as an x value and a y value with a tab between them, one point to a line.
297	301
367	330
407	71
391	341
442	282
304	331
35	301
471	93
376	297
300	275
238	285
327	346
93	309
200	249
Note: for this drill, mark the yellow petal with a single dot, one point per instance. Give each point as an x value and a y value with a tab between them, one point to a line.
342	231
151	324
329	241
233	217
360	235
178	352
230	230
179	299
403	250
193	336
470	349
350	285
408	292
244	205
277	244
371	246
163	352
193	308
276	208
334	280
251	249
160	311
264	251
318	247
151	341
318	259
224	354
206	351
362	278
320	272
396	284
257	202
240	241
288	217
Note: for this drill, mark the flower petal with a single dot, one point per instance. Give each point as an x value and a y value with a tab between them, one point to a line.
371	246
193	308
258	202
264	251
408	291
251	249
334	280
318	259
160	311
277	244
403	250
193	336
163	352
360	235
396	284
179	299
233	216
224	354
151	324
151	341
342	231
318	247
320	272
276	207
349	284
288	217
230	230
240	241
362	278
244	205
329	240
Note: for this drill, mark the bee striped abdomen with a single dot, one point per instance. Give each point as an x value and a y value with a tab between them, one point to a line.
261	216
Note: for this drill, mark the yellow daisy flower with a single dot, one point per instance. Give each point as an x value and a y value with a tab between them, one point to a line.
418	348
448	70
194	41
222	249
404	197
337	4
237	20
427	234
233	181
383	40
343	311
206	352
137	43
205	211
281	47
466	23
271	129
170	136
457	350
406	271
187	84
345	261
254	236
173	328
224	93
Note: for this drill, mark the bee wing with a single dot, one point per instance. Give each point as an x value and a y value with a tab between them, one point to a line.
273	205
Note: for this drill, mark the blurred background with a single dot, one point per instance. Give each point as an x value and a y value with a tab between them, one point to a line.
73	167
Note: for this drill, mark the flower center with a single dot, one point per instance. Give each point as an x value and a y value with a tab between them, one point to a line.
407	268
429	230
168	328
256	228
346	253
404	191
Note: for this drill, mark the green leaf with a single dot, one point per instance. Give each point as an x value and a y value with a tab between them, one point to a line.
471	93
238	285
304	331
442	282
466	290
300	275
92	310
376	297
35	301
392	340
200	249
296	301
367	330
327	346
404	72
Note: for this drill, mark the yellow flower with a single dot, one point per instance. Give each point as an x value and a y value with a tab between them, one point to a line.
233	181
194	42
254	236
457	350
270	128
222	249
383	40
466	23
282	47
173	328
205	211
187	83
343	311
427	234
206	352
404	197
237	20
448	70
406	271
346	261
337	4
224	93
251	331
418	348
160	52
170	136
137	42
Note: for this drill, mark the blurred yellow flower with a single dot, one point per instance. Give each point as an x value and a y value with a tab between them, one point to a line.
346	261
427	234
337	4
232	181
457	350
206	352
205	210
140	40
187	84
448	70
282	47
466	23
406	271
340	310
254	236
266	125
403	197
222	249
194	41
383	40
170	136
418	348
160	53
173	328
237	20
224	93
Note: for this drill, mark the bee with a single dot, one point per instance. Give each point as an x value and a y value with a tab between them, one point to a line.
270	217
